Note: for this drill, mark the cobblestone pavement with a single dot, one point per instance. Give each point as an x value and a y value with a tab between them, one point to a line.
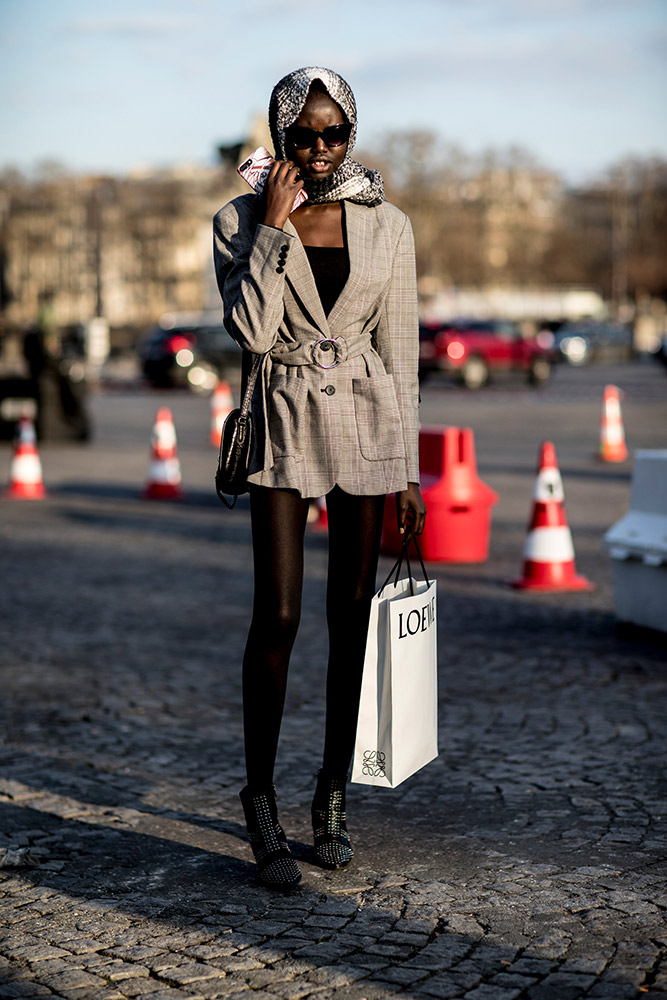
525	863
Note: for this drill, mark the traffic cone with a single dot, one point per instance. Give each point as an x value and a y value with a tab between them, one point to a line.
25	474
549	552
221	405
164	471
612	436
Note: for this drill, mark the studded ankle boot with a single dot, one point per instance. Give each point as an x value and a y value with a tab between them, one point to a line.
332	843
276	867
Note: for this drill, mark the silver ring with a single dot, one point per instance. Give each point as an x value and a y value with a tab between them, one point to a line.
324	340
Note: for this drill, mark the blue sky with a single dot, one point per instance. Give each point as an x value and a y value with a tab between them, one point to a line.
113	86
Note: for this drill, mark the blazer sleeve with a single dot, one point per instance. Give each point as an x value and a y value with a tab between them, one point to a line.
250	271
397	343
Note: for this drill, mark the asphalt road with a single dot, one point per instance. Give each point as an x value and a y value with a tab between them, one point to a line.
525	863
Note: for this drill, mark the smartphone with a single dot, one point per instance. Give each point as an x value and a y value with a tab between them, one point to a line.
255	170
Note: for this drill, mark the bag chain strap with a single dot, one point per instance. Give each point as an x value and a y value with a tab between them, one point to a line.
250	385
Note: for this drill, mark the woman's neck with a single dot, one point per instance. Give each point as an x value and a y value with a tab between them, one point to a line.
319	225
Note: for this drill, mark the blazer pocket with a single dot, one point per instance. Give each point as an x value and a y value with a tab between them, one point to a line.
377	417
287	403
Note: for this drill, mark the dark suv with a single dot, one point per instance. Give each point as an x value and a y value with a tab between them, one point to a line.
195	352
476	350
581	343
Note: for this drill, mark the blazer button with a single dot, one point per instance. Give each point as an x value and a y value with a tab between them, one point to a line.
280	269
329	389
284	248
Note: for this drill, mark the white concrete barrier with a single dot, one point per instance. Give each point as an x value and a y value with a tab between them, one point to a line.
637	545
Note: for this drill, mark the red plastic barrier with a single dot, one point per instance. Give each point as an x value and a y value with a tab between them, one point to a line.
458	503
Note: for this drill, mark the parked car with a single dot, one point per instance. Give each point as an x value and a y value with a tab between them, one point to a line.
477	351
192	351
581	343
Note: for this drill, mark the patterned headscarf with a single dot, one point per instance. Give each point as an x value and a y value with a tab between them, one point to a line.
351	180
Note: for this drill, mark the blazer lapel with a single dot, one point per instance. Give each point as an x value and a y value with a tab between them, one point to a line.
359	229
300	277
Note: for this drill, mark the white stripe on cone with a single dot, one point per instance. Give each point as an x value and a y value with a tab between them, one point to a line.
27	470
613	408
549	545
165	434
614	432
165	470
548	486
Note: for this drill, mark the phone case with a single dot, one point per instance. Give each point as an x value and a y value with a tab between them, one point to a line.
255	170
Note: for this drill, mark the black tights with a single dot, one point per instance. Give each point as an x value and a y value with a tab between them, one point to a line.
278	525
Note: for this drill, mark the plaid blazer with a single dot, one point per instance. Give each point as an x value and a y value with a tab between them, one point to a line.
337	402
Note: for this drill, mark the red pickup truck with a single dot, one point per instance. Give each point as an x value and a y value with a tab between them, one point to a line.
478	350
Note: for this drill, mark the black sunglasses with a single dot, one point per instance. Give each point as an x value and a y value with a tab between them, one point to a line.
305	138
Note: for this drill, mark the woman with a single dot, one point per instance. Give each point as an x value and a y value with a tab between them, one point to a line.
328	295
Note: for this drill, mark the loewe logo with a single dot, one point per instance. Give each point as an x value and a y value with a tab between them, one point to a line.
417	621
374	764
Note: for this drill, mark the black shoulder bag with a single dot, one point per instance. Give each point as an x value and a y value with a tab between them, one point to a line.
231	477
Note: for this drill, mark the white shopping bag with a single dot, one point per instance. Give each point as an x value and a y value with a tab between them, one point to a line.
397	730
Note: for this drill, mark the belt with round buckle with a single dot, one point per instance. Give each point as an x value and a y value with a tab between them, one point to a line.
332	344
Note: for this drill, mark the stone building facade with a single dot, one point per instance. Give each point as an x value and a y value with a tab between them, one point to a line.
126	249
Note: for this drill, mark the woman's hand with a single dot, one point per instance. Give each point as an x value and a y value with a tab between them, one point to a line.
410	511
280	190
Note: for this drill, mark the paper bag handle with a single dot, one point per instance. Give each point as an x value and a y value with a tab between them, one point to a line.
395	570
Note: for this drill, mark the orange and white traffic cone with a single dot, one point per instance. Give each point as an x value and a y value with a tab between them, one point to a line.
25	475
318	518
164	470
612	436
222	404
549	552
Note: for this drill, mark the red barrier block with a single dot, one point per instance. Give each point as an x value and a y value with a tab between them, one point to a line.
458	503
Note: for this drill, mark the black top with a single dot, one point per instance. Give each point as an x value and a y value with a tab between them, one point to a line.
330	267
